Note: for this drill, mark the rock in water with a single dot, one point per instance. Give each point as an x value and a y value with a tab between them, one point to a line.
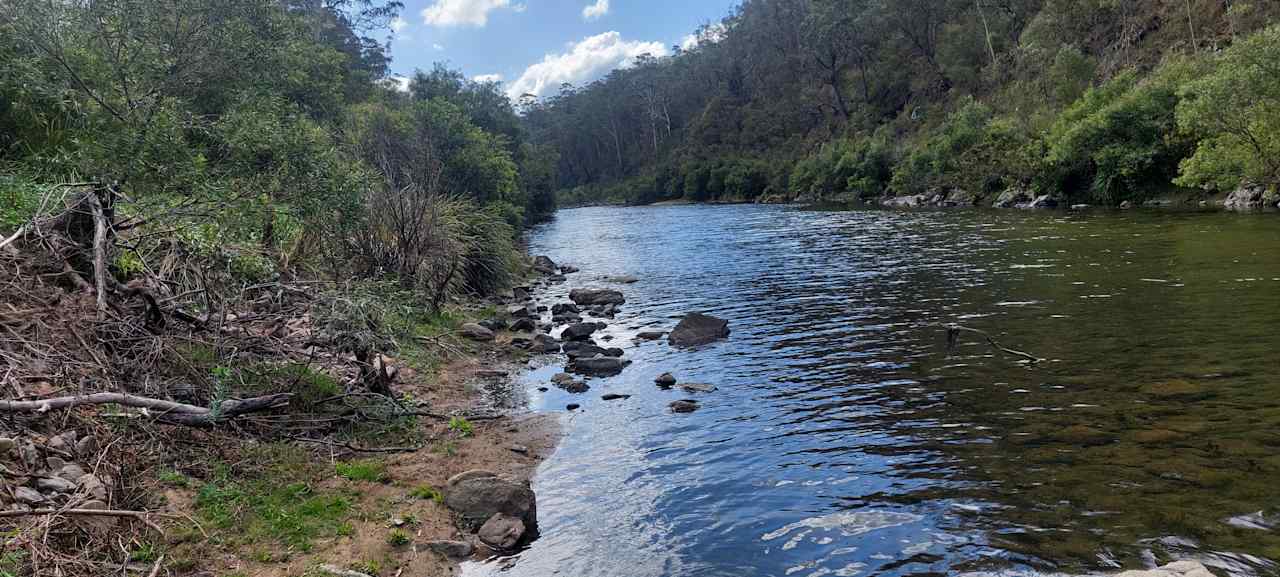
650	335
665	380
545	265
579	331
698	329
1178	569
502	532
698	387
524	325
599	365
450	549
547	343
596	297
684	406
478	498
614	397
476	332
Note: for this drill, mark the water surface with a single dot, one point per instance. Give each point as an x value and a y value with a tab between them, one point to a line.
845	439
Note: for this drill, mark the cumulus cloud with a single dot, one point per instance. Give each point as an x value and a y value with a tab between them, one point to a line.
487	78
707	35
594	11
397	82
584	61
474	13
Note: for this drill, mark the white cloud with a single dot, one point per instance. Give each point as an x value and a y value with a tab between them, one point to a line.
584	61
397	82
438	47
519	8
708	35
475	13
595	11
487	78
398	24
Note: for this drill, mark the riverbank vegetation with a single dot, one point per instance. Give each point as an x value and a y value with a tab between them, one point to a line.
1084	102
235	255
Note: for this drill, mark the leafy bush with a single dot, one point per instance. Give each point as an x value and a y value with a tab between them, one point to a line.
1236	108
1120	140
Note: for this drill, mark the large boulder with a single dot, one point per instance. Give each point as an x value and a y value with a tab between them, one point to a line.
698	329
546	343
476	496
579	331
1248	197
545	265
502	532
476	332
1012	197
565	308
598	365
596	297
1044	201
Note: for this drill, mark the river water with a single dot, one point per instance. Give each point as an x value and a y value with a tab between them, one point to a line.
846	439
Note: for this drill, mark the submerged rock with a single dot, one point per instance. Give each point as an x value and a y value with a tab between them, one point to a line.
650	335
698	329
622	279
596	297
684	406
698	387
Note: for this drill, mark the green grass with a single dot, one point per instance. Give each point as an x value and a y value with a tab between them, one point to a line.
461	426
271	497
368	470
426	492
173	478
308	385
398	538
11	563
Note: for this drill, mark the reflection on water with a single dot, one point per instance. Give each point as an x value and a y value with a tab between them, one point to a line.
844	439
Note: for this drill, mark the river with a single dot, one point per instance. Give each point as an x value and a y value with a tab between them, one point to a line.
845	438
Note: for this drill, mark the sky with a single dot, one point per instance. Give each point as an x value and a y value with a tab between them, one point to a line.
533	46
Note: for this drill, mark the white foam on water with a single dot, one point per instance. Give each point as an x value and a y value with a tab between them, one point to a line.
848	524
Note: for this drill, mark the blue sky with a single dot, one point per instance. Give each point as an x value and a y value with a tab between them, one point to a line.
534	45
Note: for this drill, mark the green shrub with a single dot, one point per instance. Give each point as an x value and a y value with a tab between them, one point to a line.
1119	141
1236	109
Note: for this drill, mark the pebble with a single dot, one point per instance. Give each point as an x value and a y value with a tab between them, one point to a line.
523	450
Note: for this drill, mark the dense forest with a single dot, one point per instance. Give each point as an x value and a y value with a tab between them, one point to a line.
268	137
1085	101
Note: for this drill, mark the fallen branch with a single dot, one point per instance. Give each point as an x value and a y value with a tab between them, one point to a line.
17	235
180	413
139	515
99	252
355	449
953	337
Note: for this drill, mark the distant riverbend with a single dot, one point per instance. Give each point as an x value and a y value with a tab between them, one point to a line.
844	437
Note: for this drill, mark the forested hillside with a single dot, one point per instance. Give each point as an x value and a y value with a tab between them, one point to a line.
1089	101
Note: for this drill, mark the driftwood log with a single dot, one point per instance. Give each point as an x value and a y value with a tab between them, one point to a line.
953	338
167	411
